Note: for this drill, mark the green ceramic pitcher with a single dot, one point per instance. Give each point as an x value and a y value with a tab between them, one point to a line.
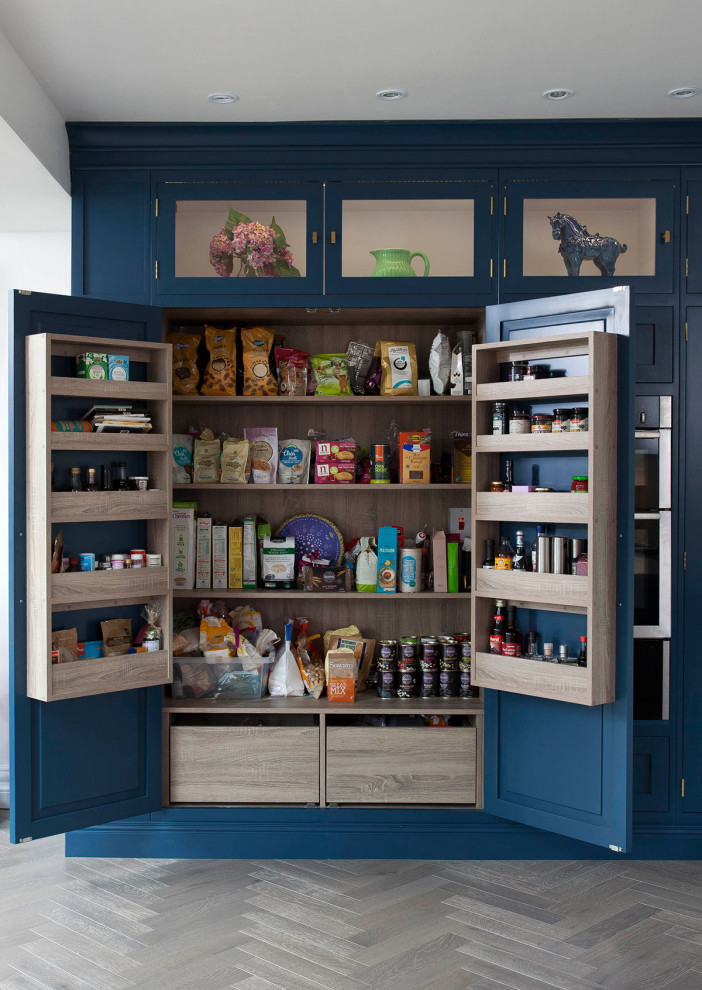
396	263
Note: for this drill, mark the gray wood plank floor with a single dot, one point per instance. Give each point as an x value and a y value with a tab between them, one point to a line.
98	924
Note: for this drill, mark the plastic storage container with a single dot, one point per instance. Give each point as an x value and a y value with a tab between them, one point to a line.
224	680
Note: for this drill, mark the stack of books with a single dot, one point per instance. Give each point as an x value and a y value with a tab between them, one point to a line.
118	419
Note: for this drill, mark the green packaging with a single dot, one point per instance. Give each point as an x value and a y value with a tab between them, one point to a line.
452	565
92	364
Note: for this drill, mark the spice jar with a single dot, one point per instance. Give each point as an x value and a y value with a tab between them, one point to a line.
517	371
534	372
579	420
579	483
541	423
500	421
561	421
519	421
497	486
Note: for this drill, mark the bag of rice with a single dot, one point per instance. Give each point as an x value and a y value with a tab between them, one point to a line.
220	373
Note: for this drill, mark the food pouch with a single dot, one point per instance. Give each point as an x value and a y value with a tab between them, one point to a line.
440	362
182	458
213	634
235	455
65	643
206	459
186	375
367	565
220	373
294	462
292	370
360	358
398	359
116	636
331	372
285	679
264	453
256	344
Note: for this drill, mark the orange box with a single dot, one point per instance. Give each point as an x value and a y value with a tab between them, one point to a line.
341	680
415	457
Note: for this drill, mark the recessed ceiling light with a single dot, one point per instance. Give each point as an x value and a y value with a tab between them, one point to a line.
222	98
387	95
682	92
558	94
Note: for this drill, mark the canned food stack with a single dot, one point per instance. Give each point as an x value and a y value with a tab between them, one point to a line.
425	667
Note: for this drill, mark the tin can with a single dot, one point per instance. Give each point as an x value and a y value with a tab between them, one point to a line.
410	570
387	654
86	561
429	653
406	683
428	683
448	654
448	683
408	653
138	557
380	463
386	683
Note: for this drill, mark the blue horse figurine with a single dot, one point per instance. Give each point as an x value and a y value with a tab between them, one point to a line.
578	244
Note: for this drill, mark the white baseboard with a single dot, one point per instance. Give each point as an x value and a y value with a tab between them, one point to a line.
4	787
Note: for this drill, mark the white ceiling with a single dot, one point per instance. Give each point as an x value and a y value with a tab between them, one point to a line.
323	59
150	60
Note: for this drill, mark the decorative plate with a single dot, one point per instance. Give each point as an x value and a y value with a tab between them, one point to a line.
312	534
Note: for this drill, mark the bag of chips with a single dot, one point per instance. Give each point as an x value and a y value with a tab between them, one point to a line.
331	372
186	375
256	343
220	373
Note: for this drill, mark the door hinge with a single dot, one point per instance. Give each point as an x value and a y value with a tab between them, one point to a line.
28	839
684	560
687	204
505	206
685	332
490	267
682	788
615	849
492	205
25	292
156	207
504	268
156	270
687	268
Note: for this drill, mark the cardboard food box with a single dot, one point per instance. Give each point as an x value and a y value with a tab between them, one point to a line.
415	457
335	473
335	451
91	364
341	680
203	543
184	546
332	578
118	367
236	562
219	557
438	551
462	461
387	559
250	553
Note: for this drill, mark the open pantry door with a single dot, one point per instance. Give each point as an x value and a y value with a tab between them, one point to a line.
75	761
564	765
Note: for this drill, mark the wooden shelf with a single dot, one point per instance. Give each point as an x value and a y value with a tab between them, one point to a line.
538	507
564	592
261	593
537	442
109	506
366	703
104	674
83	589
109	390
320	400
542	388
307	489
109	441
566	682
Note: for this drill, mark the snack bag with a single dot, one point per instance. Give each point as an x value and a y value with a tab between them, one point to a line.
116	636
264	453
186	375
292	370
398	360
331	372
235	456
294	462
256	344
213	636
152	634
220	373
206	459
367	565
309	661
285	679
182	458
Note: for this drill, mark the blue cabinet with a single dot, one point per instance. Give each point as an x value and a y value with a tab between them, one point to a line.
653	335
693	254
565	234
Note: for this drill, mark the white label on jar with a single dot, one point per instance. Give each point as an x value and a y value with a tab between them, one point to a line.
578	425
152	645
519	426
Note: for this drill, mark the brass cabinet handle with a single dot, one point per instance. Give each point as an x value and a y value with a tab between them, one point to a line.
314	236
333	237
665	237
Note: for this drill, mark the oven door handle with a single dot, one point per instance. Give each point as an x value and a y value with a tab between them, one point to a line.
665	687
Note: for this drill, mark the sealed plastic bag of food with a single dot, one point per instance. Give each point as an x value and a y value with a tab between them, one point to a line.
256	344
206	459
440	362
292	370
294	462
309	661
213	636
285	679
398	359
264	453
235	455
331	372
220	373
367	565
186	375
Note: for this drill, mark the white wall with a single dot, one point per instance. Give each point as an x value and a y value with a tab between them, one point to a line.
41	262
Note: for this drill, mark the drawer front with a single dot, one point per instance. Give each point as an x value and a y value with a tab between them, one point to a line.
247	764
367	765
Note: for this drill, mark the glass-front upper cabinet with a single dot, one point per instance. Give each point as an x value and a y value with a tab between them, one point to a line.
239	239
409	238
566	234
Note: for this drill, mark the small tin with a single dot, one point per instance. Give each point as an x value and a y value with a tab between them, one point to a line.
386	683
429	653
448	655
408	655
387	654
86	561
138	557
428	683
380	463
448	683
406	684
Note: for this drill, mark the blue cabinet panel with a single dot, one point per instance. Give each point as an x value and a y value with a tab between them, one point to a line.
111	235
88	760
693	281
653	336
651	773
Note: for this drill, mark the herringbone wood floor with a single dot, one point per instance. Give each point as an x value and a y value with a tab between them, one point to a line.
332	925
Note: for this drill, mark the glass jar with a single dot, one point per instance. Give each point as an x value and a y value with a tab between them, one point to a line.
561	421
534	372
497	486
579	483
541	423
579	420
519	421
517	371
500	420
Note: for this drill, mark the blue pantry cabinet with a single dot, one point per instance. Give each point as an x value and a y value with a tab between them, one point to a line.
125	188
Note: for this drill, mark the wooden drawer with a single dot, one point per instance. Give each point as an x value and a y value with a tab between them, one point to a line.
367	765
224	764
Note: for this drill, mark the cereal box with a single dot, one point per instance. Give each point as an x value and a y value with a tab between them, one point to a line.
236	562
